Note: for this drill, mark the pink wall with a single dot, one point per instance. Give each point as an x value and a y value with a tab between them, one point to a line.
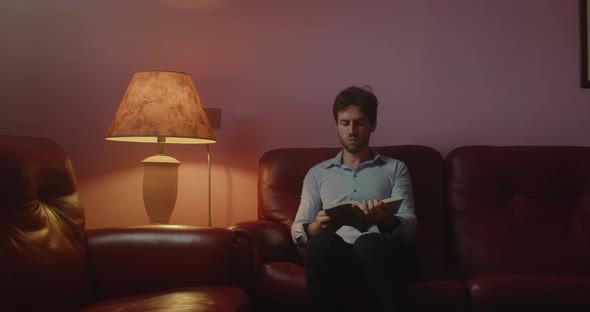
448	73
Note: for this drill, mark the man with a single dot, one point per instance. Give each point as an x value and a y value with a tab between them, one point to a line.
378	260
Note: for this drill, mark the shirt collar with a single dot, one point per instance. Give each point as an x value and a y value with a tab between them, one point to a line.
337	161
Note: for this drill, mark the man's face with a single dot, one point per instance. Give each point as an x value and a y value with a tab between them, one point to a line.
354	129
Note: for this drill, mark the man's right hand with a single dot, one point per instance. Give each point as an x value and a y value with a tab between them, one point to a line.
321	222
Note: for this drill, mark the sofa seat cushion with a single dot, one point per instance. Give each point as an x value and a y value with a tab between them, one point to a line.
439	295
530	293
283	282
212	298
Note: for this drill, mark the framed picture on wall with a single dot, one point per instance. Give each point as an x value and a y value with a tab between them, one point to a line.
585	43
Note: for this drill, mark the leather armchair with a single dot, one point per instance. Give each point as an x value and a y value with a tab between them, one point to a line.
278	274
49	262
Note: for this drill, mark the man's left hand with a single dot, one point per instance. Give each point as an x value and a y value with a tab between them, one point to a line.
378	213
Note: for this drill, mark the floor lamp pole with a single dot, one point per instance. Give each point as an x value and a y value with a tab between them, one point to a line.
209	184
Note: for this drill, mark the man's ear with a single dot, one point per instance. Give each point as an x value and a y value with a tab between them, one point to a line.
374	126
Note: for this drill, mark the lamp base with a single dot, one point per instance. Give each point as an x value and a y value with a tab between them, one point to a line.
160	187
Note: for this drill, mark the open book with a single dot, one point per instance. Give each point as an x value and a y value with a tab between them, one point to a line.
344	213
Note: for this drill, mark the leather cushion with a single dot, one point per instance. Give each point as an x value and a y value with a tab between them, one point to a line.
283	282
530	293
203	299
133	260
521	209
442	295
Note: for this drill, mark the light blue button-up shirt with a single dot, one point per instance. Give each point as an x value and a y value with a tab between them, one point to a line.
331	182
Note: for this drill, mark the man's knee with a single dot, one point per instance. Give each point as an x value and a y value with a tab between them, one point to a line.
323	245
370	245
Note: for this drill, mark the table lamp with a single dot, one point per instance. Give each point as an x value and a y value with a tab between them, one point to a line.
162	107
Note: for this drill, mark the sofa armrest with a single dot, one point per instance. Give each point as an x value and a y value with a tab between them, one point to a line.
132	260
269	241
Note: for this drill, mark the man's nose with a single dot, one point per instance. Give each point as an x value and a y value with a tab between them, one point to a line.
351	129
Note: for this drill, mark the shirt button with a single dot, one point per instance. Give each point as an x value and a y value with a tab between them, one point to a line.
355	191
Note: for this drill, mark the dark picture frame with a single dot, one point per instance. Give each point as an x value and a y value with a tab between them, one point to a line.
584	42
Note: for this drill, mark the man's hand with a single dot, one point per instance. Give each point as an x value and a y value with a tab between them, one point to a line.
378	213
321	222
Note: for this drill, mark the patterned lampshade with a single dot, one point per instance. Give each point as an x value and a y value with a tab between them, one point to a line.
161	106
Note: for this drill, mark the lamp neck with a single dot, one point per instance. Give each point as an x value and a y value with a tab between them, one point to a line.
161	141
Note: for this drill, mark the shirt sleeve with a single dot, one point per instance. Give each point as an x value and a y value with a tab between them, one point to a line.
309	207
402	187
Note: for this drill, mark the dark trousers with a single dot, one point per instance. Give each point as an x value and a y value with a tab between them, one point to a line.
370	275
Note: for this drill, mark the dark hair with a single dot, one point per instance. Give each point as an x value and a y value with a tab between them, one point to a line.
361	97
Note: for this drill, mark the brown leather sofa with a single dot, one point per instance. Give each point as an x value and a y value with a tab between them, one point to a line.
521	226
499	228
49	262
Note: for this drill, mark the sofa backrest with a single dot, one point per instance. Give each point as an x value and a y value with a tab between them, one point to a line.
42	245
520	210
280	180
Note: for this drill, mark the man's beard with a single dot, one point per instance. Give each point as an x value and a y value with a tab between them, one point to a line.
354	149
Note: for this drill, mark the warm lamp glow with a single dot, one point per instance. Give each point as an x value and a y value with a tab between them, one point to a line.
162	107
161	104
